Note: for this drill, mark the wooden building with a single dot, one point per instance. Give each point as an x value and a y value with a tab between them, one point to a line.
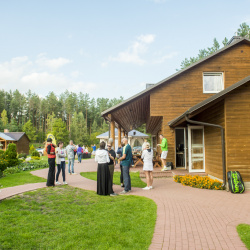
19	138
160	105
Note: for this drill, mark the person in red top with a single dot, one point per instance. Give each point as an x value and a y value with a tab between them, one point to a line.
51	160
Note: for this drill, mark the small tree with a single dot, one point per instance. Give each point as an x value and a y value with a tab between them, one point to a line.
11	155
4	118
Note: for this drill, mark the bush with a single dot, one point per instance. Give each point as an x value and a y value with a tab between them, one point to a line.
32	149
35	157
1	153
22	155
35	153
9	158
203	182
12	170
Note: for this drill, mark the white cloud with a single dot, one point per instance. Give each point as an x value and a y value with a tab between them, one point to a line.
22	73
134	52
53	64
162	59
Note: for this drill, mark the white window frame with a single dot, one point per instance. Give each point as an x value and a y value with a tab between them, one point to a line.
211	74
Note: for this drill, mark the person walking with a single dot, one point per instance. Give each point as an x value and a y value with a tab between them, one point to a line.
119	153
164	151
60	162
147	156
71	156
111	163
94	149
51	160
79	153
126	163
104	183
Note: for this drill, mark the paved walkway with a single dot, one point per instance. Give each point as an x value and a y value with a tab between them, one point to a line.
187	218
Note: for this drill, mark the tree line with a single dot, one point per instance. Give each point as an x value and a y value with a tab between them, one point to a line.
243	31
67	116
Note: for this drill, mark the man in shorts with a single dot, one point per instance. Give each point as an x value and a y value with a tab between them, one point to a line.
164	151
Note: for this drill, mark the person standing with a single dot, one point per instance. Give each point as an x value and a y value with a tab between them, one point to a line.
147	156
71	156
126	163
104	183
164	151
111	163
79	153
94	149
119	152
51	160
60	162
144	145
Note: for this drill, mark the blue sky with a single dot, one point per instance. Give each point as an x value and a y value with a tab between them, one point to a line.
107	48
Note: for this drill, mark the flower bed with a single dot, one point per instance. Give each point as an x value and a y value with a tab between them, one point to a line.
203	182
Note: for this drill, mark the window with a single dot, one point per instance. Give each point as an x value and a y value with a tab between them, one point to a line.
212	82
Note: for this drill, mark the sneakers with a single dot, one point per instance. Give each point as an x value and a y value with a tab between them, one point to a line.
114	194
124	192
164	169
146	188
65	183
74	173
58	183
151	187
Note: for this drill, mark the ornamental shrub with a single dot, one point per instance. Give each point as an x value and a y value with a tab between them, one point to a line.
35	157
12	170
203	182
10	155
22	155
32	149
35	153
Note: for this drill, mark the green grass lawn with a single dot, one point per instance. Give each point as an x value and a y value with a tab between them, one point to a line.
135	178
244	233
17	179
70	218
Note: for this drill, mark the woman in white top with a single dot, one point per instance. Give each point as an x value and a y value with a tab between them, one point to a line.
60	161
104	183
147	156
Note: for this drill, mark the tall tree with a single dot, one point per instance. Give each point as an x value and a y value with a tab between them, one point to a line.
60	131
30	131
4	118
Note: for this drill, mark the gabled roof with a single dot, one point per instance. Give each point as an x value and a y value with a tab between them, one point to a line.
6	137
148	90
209	101
132	133
16	135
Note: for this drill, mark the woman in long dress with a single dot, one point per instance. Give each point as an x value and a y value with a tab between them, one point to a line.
147	156
104	183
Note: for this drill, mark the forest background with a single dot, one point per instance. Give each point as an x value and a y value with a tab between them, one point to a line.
70	115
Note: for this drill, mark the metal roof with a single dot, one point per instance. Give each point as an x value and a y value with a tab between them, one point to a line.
130	133
146	91
210	100
6	137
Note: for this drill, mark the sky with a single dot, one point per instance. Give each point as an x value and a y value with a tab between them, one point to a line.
106	48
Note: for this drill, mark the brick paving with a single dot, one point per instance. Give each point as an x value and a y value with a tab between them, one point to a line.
187	218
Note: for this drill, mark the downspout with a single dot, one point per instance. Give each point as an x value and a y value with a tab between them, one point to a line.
222	143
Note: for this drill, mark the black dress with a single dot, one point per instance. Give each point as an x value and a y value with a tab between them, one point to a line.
104	183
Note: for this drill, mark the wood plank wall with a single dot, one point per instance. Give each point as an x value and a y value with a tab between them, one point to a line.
212	138
184	91
237	108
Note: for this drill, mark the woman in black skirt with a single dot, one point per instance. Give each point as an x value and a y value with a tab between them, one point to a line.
104	183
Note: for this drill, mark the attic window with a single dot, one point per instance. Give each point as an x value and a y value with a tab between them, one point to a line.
213	82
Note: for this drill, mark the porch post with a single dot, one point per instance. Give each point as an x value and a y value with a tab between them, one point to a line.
119	135
123	134
112	128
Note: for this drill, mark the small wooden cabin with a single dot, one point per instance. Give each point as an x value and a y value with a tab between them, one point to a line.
167	100
19	138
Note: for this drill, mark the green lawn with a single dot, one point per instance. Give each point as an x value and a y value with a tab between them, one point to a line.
135	178
17	179
70	218
244	233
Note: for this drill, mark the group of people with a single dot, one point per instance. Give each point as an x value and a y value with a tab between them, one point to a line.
106	159
56	155
106	164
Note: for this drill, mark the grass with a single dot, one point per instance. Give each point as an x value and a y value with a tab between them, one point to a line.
17	179
70	218
135	178
244	233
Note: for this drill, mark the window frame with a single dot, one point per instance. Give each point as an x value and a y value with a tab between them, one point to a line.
211	73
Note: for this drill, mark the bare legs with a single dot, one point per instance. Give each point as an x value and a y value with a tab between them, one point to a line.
149	178
164	162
